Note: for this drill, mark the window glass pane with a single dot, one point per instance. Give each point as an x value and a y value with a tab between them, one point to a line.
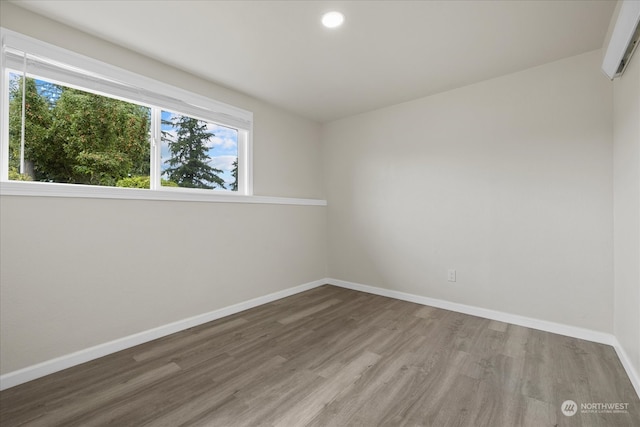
73	136
198	154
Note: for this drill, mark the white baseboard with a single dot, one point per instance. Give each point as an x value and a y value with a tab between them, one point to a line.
63	362
528	322
628	366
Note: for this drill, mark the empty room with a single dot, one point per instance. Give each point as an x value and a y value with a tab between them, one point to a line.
320	213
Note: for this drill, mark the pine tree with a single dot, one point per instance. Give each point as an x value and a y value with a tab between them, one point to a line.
234	174
189	161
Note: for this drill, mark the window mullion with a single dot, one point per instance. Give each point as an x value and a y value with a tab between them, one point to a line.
156	148
245	166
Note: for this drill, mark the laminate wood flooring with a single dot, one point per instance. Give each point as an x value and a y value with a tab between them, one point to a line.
337	357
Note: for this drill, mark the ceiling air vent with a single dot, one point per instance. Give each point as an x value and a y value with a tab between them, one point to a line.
624	39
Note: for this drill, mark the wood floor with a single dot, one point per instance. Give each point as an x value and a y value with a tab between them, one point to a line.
336	357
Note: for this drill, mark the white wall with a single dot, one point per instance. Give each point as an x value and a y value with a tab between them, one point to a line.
77	273
626	174
80	272
508	181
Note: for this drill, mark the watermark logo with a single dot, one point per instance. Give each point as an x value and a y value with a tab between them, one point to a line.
569	408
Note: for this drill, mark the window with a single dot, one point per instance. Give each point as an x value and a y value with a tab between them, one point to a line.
198	154
67	135
67	119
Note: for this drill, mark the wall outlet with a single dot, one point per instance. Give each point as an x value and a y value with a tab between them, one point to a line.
451	275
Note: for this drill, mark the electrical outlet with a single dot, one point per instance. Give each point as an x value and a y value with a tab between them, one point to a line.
451	275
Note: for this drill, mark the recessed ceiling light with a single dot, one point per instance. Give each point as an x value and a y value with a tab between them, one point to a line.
332	19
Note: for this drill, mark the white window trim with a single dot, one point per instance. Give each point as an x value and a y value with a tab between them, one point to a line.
52	189
171	98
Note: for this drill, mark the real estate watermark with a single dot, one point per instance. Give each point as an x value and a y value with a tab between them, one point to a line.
569	408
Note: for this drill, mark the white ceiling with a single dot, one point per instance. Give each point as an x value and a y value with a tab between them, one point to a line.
386	52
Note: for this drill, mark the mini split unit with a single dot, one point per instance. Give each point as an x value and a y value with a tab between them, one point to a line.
624	39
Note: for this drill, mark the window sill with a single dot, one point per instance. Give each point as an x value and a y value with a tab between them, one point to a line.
39	189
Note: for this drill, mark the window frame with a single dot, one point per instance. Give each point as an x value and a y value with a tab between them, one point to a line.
71	69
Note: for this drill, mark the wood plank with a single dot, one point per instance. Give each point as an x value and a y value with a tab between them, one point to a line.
308	311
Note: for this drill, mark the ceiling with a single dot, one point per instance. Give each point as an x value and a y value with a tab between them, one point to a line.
386	52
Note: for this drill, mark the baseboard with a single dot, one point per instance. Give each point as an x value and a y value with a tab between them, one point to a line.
628	366
29	373
528	322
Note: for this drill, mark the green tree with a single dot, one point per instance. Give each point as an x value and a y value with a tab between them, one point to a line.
94	140
37	122
234	174
189	161
142	182
77	137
